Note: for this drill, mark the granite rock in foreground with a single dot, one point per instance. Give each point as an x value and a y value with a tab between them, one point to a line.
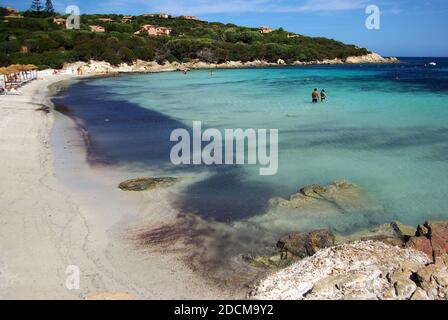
360	270
431	238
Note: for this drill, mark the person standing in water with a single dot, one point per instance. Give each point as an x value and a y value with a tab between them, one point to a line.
323	95
315	96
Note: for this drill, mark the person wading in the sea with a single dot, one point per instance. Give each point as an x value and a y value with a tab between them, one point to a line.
323	95
315	96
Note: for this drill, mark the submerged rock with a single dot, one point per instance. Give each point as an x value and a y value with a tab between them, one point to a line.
301	245
274	262
342	196
402	230
143	184
394	233
293	247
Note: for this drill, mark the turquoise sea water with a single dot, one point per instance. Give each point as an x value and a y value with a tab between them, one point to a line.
384	128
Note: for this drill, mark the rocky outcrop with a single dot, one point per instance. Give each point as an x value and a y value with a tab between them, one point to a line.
342	196
392	261
142	184
365	59
433	280
431	238
302	245
293	247
360	270
102	67
370	58
394	233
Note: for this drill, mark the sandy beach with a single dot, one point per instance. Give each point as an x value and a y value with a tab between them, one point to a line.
56	212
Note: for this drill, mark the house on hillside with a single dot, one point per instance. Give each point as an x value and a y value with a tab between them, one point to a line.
152	30
189	17
149	29
265	29
59	21
157	15
12	13
163	31
127	19
97	29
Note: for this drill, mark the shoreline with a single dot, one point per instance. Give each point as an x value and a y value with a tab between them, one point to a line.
101	68
47	227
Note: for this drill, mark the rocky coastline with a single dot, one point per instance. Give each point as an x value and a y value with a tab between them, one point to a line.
101	67
392	261
387	262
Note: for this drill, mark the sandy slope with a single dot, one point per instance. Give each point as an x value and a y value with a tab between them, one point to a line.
46	226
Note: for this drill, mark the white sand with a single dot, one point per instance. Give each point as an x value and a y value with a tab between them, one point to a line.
47	224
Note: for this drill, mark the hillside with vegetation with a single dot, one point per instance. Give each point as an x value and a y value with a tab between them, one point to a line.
35	38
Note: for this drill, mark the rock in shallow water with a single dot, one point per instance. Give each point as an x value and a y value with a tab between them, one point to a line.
394	233
293	247
341	196
303	245
143	184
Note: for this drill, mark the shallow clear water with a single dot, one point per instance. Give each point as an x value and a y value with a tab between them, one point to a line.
384	128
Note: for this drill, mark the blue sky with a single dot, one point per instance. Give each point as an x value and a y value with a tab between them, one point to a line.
408	27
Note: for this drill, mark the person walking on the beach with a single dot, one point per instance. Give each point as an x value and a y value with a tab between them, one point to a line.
315	96
323	95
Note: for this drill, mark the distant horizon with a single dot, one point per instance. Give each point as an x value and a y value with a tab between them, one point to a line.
409	28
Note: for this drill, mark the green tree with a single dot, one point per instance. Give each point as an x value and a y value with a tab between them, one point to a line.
49	8
126	55
36	6
3	12
144	53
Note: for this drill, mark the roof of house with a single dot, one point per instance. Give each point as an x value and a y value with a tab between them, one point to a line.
97	28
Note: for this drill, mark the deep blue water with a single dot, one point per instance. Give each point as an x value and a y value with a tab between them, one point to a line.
383	127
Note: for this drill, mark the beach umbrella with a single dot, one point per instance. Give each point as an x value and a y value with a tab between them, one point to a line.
11	70
3	73
32	67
